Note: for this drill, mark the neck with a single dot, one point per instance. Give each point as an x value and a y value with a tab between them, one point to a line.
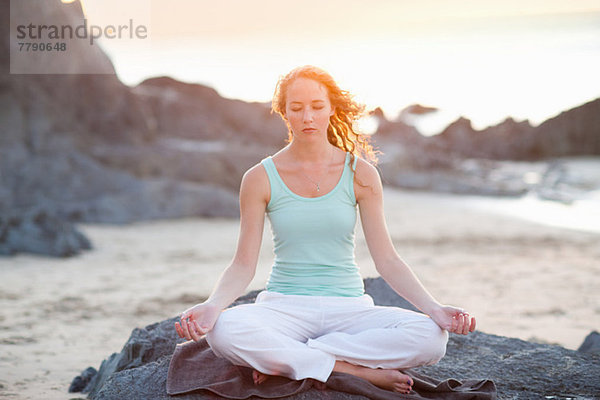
311	152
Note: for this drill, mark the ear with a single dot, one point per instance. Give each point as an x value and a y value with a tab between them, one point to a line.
332	111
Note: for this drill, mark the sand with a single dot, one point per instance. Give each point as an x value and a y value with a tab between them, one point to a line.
519	278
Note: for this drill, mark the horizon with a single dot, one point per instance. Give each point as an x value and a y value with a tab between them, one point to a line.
528	61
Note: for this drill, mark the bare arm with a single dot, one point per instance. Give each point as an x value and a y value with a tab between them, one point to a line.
237	276
390	266
234	280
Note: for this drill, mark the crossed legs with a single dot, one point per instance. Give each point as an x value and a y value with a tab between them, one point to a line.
315	336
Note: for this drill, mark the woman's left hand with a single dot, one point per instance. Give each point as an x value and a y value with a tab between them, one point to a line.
454	320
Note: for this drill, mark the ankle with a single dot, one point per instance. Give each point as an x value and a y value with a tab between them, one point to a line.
343	366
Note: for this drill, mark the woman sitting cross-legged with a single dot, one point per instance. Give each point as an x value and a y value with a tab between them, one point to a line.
314	316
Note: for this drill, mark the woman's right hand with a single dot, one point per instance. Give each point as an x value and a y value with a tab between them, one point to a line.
196	321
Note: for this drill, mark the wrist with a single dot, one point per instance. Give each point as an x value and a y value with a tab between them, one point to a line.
432	308
214	303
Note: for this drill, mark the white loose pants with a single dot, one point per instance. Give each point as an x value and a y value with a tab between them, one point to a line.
300	336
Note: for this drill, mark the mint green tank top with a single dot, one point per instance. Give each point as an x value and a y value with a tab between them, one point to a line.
313	238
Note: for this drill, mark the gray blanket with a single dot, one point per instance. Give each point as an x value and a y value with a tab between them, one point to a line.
195	367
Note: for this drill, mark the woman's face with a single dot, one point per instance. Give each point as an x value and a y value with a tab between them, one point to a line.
308	109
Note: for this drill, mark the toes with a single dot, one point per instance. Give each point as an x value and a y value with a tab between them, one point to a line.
405	379
408	383
258	377
401	388
404	384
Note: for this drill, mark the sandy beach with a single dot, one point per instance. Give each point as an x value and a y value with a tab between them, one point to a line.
519	278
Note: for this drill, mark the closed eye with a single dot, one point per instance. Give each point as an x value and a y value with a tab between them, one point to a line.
316	108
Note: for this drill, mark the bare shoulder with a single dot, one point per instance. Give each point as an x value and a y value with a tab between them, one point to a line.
368	181
367	172
255	183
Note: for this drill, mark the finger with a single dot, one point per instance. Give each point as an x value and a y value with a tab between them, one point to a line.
459	324
186	330
184	316
178	329
473	324
467	324
454	324
202	327
194	331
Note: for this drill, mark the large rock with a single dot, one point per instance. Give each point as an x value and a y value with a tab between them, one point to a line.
197	112
85	108
40	233
413	162
218	162
87	148
465	161
507	140
591	344
572	132
520	369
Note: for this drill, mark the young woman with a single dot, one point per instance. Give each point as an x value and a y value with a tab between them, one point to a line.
314	316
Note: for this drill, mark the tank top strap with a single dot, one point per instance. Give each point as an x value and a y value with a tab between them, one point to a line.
276	189
349	180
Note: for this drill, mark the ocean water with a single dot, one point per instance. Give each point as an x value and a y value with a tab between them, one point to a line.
581	215
580	184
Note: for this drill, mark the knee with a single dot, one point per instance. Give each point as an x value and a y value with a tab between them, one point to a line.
433	347
215	338
222	337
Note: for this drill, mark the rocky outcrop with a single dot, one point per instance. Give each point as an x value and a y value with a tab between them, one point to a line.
520	369
37	109
591	344
87	148
48	124
413	161
507	140
201	136
463	160
417	109
573	132
39	233
197	112
69	186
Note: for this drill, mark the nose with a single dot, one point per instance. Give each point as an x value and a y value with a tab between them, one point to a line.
308	115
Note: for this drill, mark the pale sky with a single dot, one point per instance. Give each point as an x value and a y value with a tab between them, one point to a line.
235	18
529	59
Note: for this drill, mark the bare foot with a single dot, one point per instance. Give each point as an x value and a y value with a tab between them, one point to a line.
389	379
258	377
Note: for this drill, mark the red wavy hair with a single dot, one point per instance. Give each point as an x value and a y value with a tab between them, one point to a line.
341	131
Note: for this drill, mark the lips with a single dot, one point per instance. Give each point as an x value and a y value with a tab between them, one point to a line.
309	130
